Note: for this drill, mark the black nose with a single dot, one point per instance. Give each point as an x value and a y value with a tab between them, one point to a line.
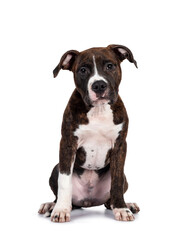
99	86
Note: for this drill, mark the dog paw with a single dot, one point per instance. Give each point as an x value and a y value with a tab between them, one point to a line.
46	208
133	207
60	215
123	214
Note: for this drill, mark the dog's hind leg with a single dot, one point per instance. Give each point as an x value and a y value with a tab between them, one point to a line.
53	181
107	204
132	206
46	208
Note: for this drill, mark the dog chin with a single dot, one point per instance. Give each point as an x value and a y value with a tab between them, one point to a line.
94	101
100	101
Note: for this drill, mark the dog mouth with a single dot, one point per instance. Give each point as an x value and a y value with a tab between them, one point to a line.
101	95
101	98
108	96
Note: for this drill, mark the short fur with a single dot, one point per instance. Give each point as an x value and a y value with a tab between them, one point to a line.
76	114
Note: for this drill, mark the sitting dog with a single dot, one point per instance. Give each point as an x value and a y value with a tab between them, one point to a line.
93	144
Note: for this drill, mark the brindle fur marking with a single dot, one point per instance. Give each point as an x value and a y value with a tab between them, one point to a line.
76	114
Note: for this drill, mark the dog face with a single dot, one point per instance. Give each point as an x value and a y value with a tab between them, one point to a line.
97	72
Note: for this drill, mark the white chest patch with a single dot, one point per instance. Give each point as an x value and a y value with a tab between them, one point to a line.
98	136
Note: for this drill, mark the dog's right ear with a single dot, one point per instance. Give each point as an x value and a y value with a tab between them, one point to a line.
66	61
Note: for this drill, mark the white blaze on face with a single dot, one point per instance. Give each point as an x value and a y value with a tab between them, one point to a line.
93	79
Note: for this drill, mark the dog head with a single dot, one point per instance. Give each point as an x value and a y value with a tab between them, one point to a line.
97	71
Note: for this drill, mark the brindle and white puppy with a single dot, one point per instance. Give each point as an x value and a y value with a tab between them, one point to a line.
93	144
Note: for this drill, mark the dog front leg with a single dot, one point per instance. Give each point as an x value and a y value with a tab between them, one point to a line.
118	205
62	209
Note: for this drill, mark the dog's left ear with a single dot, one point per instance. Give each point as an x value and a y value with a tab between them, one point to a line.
123	53
66	61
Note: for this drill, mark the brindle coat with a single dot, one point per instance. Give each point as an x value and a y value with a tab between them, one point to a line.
76	114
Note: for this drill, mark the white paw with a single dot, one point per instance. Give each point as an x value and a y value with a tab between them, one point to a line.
60	215
123	214
46	208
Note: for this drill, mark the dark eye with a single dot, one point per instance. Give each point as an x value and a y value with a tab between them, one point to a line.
110	66
83	70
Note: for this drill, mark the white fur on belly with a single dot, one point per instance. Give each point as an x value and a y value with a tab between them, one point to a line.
98	136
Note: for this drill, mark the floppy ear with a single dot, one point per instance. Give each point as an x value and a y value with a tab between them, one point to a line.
123	53
66	61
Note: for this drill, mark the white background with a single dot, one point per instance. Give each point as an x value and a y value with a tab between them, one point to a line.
34	35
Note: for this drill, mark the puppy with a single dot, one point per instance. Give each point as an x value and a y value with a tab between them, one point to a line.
93	143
